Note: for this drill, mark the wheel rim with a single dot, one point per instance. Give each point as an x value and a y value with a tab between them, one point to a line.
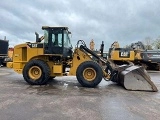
89	74
35	72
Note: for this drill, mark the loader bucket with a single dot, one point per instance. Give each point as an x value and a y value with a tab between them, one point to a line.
135	78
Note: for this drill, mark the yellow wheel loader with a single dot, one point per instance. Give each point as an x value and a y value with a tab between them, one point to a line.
42	60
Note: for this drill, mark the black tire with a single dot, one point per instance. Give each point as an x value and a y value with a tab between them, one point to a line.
51	78
43	70
89	74
4	64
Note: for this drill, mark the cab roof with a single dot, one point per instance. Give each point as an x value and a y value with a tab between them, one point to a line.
48	27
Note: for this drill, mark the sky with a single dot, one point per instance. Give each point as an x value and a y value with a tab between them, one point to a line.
125	21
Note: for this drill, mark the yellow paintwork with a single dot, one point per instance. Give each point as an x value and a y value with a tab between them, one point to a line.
89	74
51	65
138	55
17	65
92	44
134	54
115	56
57	68
78	57
10	54
35	72
18	71
24	53
10	64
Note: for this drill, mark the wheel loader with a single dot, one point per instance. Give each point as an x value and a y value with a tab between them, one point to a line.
52	53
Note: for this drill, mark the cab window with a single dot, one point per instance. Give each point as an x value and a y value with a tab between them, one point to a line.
45	36
67	42
57	40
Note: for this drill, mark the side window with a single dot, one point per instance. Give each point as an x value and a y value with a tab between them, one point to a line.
53	38
60	40
57	40
67	41
45	36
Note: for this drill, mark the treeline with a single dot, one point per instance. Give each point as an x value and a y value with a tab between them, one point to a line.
151	44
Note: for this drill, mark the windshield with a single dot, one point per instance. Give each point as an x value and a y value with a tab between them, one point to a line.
67	42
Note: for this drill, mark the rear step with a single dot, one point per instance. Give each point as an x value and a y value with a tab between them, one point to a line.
134	78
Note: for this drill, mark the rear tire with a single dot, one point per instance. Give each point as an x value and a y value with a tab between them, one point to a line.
51	78
89	74
4	64
36	72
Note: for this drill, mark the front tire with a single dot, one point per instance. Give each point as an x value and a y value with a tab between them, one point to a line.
36	72
89	74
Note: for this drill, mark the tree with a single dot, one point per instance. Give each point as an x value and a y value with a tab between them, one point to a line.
148	43
127	46
156	43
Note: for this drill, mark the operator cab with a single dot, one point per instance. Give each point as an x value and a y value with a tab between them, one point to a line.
57	41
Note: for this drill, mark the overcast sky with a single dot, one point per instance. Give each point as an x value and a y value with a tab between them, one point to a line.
125	21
